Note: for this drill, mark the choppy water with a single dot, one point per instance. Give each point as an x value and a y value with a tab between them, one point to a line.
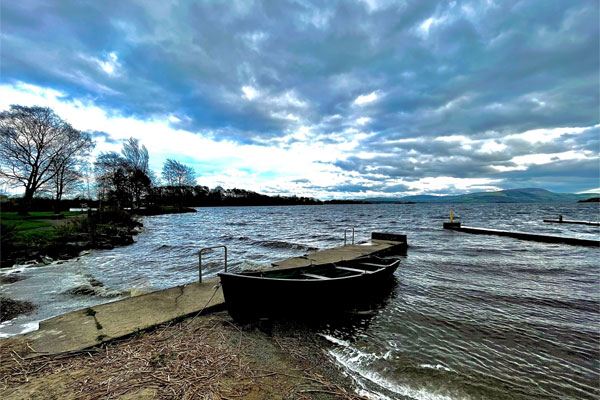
471	317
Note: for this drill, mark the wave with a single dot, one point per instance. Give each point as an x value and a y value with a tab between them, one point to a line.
167	247
591	306
234	237
372	384
277	244
436	367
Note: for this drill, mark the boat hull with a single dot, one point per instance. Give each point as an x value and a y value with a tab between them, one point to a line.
250	296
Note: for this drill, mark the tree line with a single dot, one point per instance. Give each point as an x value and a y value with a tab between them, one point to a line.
43	154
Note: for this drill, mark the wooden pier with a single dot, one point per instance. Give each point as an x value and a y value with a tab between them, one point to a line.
456	226
94	325
566	221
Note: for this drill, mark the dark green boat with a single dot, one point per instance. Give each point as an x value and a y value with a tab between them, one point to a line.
307	290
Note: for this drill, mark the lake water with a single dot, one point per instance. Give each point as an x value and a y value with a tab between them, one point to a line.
471	316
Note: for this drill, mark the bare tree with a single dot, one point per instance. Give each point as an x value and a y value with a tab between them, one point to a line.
34	141
136	159
87	176
67	177
135	155
124	178
111	178
175	173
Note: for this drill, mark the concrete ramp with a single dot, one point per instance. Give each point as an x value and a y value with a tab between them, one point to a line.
91	326
380	244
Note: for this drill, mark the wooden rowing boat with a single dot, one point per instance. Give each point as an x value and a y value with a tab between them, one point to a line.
306	290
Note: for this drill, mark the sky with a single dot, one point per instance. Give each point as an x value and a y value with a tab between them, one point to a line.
330	99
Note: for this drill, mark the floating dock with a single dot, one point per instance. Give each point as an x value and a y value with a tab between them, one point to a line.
92	326
566	221
456	226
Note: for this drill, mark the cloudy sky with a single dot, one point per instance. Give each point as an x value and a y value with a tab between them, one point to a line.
324	98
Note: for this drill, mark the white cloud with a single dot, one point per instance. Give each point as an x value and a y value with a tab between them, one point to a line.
427	24
109	63
365	99
252	167
249	92
537	159
491	146
433	184
546	135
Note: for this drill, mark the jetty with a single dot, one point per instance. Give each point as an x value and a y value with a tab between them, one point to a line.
456	226
566	221
92	326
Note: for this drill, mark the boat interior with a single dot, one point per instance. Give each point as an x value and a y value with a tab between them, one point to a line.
339	269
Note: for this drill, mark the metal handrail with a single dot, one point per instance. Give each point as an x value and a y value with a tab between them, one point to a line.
200	259
345	232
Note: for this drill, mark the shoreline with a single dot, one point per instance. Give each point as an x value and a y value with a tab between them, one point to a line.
122	235
207	355
118	235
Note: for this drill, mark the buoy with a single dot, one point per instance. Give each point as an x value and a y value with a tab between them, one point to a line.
451	216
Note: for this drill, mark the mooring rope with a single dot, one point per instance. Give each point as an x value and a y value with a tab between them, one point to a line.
217	286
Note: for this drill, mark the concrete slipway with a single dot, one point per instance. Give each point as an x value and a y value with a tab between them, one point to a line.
92	326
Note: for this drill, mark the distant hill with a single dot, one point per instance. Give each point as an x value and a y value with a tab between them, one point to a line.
527	195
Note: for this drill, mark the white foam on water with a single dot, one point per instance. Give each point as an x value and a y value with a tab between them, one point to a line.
337	341
436	367
359	356
27	327
352	363
30	327
14	268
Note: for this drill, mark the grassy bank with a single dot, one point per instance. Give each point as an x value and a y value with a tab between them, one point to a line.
42	235
36	227
208	357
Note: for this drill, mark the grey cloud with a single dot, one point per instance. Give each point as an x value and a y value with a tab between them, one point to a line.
105	136
357	188
560	176
503	68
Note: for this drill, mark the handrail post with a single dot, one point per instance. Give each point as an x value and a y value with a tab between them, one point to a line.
200	259
345	237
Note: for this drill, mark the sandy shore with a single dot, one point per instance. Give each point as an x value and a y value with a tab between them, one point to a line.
208	357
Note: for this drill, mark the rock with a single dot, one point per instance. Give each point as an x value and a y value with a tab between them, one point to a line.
95	288
83	290
12	278
104	245
47	260
96	283
79	245
10	308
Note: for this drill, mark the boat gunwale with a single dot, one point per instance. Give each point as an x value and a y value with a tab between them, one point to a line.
338	278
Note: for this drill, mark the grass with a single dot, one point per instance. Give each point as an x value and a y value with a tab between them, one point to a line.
39	237
25	225
35	219
36	215
34	229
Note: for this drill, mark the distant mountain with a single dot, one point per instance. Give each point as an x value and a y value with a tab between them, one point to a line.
527	195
